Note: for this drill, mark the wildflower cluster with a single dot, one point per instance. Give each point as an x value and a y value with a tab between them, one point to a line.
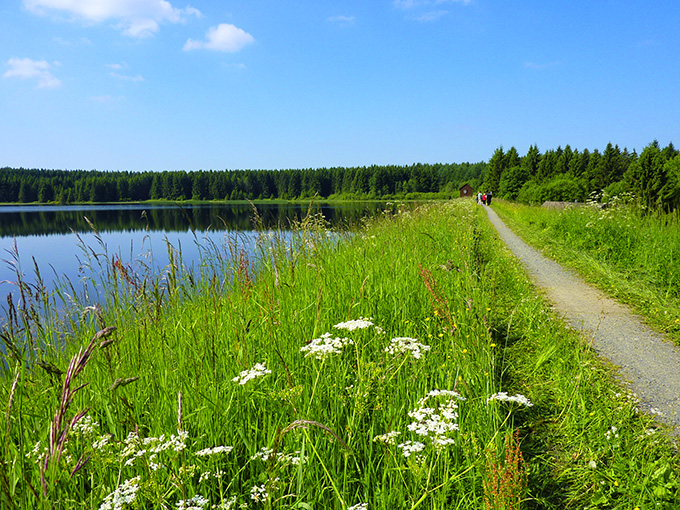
124	494
136	447
267	454
258	370
214	451
504	397
389	438
198	502
325	346
360	323
436	421
406	345
409	448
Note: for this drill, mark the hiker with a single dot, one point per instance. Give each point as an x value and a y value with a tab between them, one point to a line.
484	198
479	198
488	197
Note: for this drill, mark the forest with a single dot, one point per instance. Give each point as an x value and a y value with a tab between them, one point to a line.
374	182
562	174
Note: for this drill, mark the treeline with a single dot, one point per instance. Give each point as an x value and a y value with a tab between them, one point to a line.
567	174
381	182
562	174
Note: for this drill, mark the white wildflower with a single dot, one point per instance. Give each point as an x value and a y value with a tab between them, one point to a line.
195	503
38	452
452	394
85	426
406	345
226	504
359	506
389	438
437	420
360	323
259	493
155	466
322	348
410	447
214	451
592	464
612	433
102	442
124	494
265	454
257	371
504	397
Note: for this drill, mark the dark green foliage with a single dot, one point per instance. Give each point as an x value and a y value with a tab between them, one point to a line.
569	175
382	182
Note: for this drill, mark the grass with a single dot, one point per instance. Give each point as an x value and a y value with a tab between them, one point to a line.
373	366
629	252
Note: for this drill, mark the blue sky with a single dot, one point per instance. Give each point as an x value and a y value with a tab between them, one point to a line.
165	85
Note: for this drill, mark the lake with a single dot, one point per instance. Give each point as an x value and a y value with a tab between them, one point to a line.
63	240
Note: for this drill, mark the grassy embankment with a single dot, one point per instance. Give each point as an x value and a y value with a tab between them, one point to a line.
629	252
391	412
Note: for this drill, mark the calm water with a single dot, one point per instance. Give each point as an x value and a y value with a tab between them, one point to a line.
54	236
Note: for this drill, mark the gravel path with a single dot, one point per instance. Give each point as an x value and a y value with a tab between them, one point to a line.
649	363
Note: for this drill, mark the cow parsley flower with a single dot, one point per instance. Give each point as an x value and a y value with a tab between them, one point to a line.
359	506
408	448
435	418
214	451
266	454
360	323
389	438
323	347
406	345
85	426
504	397
226	504
124	494
198	502
258	370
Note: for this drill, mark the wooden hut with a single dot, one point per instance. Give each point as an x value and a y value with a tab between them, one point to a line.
466	191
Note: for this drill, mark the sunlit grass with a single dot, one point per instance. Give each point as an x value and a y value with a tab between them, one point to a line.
390	368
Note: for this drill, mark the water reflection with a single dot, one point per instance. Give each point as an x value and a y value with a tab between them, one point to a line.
60	240
44	220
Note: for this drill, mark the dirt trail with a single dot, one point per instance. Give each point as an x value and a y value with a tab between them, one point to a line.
648	362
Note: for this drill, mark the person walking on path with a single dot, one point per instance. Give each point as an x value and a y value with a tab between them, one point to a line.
488	197
479	198
645	359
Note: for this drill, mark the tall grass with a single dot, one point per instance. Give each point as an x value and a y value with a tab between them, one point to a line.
629	251
407	365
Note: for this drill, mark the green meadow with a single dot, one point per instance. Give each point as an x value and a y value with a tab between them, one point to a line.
407	363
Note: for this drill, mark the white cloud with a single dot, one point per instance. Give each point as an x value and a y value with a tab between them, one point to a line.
223	37
431	16
343	21
25	68
141	28
547	65
125	77
137	18
106	98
